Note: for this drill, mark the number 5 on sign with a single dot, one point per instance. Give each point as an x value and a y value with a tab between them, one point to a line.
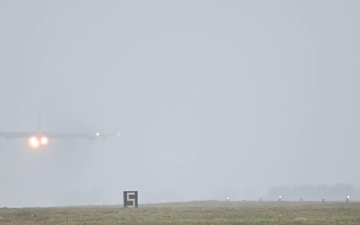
130	199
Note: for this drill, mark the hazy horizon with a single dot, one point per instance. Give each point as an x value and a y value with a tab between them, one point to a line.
213	98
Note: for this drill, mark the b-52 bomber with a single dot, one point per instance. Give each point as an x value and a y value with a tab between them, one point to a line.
40	138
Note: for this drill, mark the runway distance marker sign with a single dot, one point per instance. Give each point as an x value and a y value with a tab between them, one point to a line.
131	199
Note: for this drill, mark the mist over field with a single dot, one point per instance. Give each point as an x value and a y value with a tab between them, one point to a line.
212	98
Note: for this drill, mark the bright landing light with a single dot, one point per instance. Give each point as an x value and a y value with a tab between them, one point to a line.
44	140
34	142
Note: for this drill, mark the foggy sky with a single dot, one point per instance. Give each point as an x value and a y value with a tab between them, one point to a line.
213	98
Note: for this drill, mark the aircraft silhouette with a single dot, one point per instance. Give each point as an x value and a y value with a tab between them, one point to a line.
40	138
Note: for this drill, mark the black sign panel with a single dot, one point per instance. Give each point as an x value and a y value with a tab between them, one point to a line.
131	199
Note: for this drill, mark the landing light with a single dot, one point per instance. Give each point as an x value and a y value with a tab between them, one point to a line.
34	142
97	134
44	140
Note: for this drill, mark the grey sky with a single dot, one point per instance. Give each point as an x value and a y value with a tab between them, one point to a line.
212	97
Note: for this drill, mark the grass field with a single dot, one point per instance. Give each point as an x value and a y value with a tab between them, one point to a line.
207	212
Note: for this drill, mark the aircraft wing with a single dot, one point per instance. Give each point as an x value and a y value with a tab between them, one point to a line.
11	135
79	135
39	139
56	135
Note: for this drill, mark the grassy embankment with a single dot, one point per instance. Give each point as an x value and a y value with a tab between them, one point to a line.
211	212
